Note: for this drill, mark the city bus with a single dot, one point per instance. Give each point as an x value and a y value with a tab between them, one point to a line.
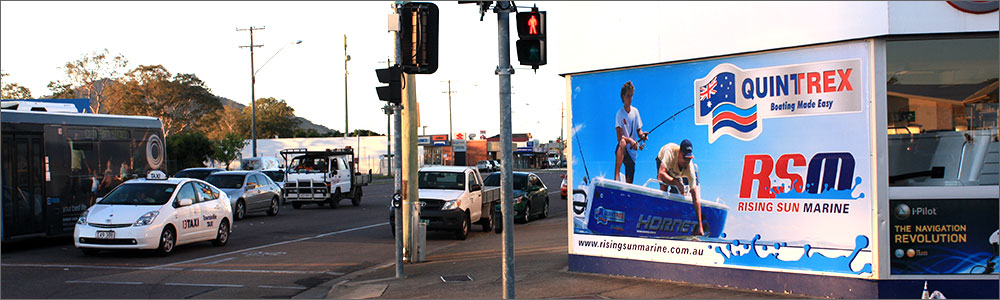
56	164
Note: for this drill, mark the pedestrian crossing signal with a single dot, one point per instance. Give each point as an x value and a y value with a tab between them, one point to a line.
531	49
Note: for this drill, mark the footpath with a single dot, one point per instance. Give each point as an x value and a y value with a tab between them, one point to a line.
540	268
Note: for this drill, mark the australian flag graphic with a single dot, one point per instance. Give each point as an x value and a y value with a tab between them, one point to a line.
719	108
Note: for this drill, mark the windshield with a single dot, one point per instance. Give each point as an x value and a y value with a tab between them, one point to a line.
520	181
140	194
308	164
442	180
199	174
275	175
229	181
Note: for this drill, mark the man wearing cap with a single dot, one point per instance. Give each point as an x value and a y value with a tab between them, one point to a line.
674	162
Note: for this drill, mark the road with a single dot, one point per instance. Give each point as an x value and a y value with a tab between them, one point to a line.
267	257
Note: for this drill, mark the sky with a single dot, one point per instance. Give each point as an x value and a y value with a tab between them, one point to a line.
200	37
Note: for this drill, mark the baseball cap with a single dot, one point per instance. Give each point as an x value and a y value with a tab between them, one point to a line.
686	149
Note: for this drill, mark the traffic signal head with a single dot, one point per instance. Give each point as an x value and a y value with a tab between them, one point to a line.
531	24
418	37
393	92
531	49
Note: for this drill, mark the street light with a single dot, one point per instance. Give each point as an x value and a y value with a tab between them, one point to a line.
253	98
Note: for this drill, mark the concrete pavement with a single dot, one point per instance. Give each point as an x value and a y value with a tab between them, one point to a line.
540	272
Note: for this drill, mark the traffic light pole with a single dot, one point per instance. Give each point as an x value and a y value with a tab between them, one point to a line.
503	9
397	163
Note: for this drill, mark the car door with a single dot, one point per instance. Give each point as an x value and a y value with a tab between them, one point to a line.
476	197
252	193
343	175
211	209
187	221
265	191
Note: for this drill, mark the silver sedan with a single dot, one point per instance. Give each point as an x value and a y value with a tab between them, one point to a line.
250	191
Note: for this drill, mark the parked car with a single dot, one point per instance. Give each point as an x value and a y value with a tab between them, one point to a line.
531	197
484	166
250	191
562	187
259	163
198	173
155	212
454	198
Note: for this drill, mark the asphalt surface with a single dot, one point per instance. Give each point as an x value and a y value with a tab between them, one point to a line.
298	253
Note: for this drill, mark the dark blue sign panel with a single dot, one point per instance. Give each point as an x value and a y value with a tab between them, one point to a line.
943	236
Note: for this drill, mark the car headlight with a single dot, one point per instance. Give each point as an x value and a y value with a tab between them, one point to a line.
452	204
83	217
147	218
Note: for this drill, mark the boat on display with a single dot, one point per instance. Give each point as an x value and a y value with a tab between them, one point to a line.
623	209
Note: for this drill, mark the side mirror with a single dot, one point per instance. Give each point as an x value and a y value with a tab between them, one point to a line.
185	202
475	187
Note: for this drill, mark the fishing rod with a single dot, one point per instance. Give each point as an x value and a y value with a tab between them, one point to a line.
643	144
586	180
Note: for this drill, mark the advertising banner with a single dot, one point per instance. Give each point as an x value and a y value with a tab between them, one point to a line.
759	161
944	236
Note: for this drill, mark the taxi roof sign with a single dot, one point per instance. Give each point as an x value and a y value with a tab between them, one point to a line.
156	175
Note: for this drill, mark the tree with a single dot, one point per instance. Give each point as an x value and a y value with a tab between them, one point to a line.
12	90
189	149
88	77
228	148
226	122
274	119
364	132
181	101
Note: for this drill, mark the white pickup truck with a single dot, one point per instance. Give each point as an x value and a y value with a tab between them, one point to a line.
322	177
454	198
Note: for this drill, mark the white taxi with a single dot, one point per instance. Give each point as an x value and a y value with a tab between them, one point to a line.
157	213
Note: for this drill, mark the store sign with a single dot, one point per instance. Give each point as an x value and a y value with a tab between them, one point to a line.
976	7
783	175
423	140
458	145
944	236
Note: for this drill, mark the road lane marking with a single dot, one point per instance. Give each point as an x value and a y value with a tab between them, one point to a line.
282	287
270	245
175	269
218	261
104	282
205	284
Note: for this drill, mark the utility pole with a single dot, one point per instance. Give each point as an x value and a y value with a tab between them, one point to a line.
450	133
504	70
253	82
397	161
346	59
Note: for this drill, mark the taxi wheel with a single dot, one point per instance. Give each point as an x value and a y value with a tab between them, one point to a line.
168	240
274	207
222	236
241	210
90	251
296	205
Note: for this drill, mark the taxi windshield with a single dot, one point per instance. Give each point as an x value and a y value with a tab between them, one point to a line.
140	194
230	181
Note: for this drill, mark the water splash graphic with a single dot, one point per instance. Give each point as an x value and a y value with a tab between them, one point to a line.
828	192
747	254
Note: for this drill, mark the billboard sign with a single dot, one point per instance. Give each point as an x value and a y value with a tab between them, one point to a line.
780	165
943	236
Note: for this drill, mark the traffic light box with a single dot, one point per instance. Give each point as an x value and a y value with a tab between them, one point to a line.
531	34
393	92
418	37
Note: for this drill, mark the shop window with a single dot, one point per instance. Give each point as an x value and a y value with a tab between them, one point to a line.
942	111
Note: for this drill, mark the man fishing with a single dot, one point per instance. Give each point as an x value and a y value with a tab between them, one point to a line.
674	162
